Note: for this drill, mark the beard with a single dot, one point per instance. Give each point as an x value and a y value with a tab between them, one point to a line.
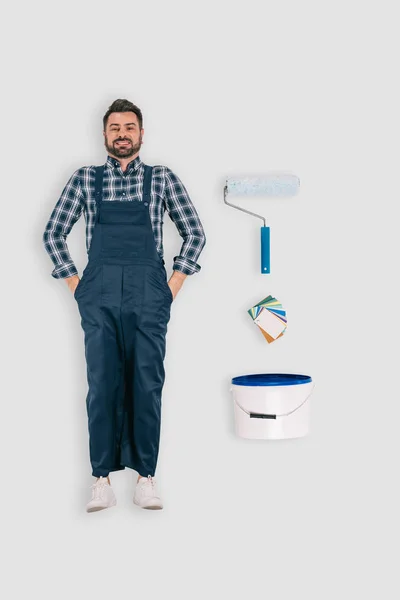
123	152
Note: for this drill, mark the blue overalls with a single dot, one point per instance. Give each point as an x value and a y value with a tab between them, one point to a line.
124	301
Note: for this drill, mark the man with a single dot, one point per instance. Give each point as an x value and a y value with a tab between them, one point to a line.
124	297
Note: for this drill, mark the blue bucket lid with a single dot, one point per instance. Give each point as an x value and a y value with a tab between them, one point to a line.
266	379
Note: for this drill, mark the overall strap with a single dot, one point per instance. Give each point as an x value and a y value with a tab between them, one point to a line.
148	171
98	186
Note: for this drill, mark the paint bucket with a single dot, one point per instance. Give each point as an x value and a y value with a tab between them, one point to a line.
272	406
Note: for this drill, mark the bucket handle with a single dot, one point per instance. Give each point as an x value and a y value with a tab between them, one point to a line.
254	415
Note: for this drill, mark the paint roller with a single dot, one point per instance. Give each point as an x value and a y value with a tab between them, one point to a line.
270	185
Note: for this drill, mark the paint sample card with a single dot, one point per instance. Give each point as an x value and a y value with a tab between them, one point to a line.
270	323
270	316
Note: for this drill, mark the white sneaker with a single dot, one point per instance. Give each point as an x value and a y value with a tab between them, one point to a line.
145	494
102	496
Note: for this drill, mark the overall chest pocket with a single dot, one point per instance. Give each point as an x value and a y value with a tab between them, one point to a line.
119	212
123	228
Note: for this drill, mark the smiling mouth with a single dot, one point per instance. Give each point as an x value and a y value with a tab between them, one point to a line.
125	143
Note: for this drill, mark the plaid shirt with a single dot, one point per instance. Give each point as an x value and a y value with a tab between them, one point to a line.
167	193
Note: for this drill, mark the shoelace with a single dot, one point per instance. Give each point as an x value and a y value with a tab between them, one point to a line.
98	489
148	485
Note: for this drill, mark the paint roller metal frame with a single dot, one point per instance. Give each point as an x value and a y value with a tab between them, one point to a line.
271	185
240	208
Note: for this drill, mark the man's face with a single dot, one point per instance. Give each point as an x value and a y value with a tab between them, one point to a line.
122	137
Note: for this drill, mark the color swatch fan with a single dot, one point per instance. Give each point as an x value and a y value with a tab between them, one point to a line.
270	317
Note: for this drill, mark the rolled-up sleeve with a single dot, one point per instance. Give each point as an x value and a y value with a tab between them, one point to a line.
186	219
63	217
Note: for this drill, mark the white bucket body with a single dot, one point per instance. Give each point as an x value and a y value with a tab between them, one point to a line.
289	403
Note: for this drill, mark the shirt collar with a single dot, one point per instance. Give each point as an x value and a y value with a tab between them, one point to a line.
114	163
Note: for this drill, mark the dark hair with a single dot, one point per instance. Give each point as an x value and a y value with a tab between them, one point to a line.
122	105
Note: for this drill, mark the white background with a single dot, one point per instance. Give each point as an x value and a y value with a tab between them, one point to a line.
226	88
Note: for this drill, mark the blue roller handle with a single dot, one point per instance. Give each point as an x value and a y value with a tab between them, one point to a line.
265	251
